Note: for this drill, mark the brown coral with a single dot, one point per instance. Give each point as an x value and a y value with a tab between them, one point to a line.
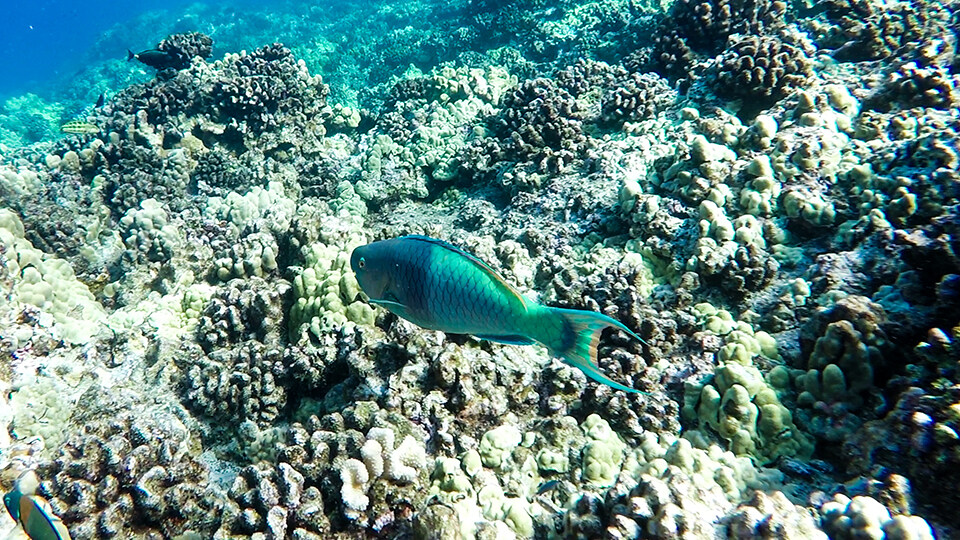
762	68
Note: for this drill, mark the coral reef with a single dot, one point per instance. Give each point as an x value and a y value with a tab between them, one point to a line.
184	47
762	69
132	477
695	27
766	193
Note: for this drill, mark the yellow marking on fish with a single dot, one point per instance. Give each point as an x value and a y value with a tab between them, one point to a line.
80	127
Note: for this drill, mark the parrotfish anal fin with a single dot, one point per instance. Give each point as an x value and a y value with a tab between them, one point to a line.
472	258
509	340
586	327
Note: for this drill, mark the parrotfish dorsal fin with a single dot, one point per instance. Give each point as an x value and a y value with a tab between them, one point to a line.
472	258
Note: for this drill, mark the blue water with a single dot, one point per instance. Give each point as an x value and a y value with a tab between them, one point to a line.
48	39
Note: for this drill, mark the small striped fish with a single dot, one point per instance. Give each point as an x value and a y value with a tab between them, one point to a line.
79	127
441	287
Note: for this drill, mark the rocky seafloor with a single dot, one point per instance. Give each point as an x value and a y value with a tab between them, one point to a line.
765	192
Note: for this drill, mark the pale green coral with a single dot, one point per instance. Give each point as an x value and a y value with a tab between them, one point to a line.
376	161
741	405
270	205
342	117
603	454
809	206
20	182
497	444
326	291
42	406
449	481
66	307
715	481
714	222
865	518
147	230
440	141
254	255
551	460
194	300
718	321
348	200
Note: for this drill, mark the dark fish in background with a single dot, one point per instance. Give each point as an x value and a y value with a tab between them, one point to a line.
547	486
99	101
155	58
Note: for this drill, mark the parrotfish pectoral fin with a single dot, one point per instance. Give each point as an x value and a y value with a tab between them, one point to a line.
395	307
509	340
584	328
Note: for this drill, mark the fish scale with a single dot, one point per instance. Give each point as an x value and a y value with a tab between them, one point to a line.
441	287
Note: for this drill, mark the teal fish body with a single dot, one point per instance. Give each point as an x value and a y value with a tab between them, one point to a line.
436	286
441	287
38	520
11	501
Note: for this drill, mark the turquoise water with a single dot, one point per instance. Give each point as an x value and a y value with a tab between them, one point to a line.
194	345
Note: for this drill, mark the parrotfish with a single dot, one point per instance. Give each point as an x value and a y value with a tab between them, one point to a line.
33	512
38	520
439	286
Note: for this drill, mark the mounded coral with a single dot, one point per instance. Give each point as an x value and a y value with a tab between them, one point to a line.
741	404
870	30
922	86
637	97
762	69
147	233
695	27
262	87
45	295
540	122
799	224
861	516
326	291
182	48
131	476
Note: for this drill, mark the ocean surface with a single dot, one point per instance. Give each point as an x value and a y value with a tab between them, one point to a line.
480	269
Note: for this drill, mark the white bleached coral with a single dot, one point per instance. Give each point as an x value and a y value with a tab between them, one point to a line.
865	518
355	478
379	459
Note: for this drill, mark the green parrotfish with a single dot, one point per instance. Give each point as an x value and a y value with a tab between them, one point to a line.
438	286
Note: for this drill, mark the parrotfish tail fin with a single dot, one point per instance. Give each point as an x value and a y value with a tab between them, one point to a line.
581	335
130	55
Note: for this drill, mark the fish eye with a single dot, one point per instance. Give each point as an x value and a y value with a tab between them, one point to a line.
361	263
